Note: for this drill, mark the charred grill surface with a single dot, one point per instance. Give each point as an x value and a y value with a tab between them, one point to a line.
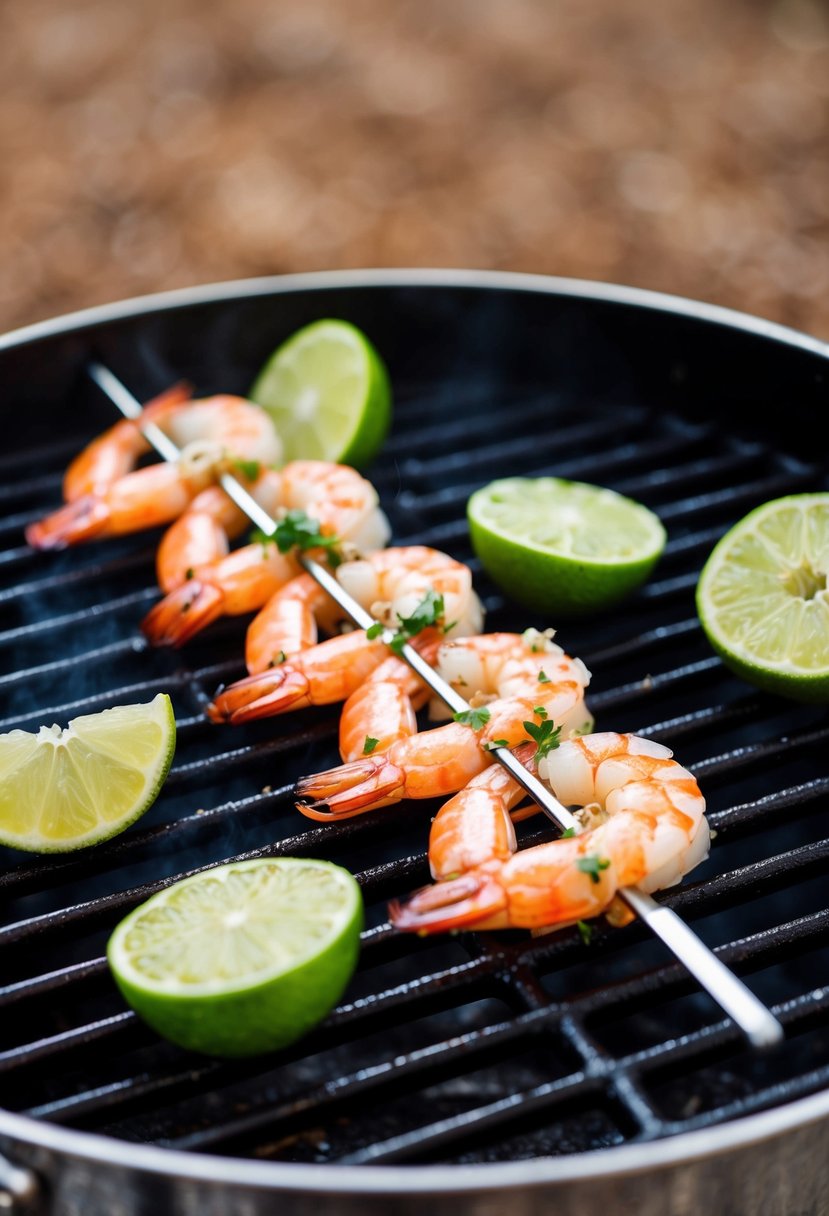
467	1048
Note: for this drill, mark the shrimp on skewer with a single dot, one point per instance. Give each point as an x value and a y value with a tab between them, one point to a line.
391	584
106	495
323	675
340	501
644	825
528	678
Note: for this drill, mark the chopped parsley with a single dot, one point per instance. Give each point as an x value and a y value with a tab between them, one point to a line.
476	718
248	468
369	745
592	864
585	931
493	743
428	612
298	530
568	833
375	630
546	735
543	678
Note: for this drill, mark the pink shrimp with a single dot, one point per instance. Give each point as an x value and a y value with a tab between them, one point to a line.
107	496
644	825
226	583
527	677
390	583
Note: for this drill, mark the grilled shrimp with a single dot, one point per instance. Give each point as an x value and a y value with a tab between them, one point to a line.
390	583
513	678
644	825
339	500
106	495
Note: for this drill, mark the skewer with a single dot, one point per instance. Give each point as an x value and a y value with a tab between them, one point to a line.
758	1023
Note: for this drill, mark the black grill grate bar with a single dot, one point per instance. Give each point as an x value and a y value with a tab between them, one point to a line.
750	1104
445	425
60	667
735	499
60	1045
48	625
748	816
62	980
525	450
369	1013
122	694
758	878
538	1100
627	694
97	574
453	499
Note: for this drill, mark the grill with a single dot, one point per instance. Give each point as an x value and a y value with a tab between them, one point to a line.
478	1065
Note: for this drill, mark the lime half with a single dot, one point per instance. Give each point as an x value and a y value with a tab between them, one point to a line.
64	789
241	959
563	547
762	597
328	392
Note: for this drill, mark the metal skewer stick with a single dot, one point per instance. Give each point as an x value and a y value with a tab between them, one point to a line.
756	1021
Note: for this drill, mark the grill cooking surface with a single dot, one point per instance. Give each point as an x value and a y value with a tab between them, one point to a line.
459	1049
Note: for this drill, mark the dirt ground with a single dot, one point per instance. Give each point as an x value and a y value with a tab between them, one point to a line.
681	146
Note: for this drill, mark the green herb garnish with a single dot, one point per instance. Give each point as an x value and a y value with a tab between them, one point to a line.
428	612
592	864
476	718
369	745
546	735
248	468
586	931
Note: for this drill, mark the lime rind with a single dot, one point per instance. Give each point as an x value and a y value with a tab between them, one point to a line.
762	598
66	790
563	547
329	394
241	959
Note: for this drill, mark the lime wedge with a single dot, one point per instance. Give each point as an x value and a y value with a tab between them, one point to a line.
241	959
762	597
563	547
328	392
65	789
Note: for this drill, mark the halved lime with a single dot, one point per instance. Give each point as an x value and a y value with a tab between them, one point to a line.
241	959
563	548
328	392
64	789
762	597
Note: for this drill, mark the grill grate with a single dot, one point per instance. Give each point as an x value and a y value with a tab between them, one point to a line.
493	1047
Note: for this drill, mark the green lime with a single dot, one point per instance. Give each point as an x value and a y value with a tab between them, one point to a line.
328	392
762	598
563	547
241	959
64	789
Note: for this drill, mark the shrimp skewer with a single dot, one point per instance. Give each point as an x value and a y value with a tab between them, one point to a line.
390	583
528	677
644	825
106	495
341	502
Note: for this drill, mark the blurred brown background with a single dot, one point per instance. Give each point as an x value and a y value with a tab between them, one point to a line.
680	146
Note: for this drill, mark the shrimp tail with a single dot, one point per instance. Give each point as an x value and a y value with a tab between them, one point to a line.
82	519
181	614
350	789
263	695
471	900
